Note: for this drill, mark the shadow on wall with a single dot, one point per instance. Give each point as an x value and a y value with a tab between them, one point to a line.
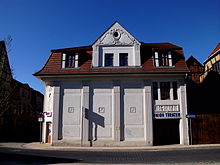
95	120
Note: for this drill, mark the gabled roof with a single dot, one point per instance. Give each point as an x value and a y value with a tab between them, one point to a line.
72	49
115	35
123	36
162	45
4	62
216	50
192	60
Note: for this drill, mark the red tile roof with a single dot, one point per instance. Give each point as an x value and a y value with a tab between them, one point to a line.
217	48
53	64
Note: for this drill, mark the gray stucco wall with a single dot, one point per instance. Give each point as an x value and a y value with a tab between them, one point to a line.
113	111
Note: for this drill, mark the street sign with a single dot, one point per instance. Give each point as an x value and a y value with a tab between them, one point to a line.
48	114
190	116
40	118
167	115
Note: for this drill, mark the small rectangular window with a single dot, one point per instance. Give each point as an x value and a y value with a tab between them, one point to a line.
155	91
70	61
163	59
123	59
165	90
109	59
175	95
216	66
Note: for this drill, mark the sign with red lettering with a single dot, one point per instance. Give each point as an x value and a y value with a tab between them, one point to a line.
168	115
48	114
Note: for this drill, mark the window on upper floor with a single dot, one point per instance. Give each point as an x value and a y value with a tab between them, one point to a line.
175	95
155	91
109	59
216	66
163	58
70	60
123	59
165	90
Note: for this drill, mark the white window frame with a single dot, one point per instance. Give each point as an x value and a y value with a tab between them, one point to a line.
171	90
156	59
76	61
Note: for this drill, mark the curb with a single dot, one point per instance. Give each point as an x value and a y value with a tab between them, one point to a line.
39	146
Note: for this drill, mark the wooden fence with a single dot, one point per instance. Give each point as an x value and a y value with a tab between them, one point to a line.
206	129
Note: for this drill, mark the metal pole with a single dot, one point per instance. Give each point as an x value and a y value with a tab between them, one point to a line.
190	125
40	132
82	127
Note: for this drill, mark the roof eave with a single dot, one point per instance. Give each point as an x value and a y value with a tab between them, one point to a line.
41	76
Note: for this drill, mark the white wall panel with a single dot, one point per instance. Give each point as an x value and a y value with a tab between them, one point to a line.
133	110
102	106
101	115
71	110
71	131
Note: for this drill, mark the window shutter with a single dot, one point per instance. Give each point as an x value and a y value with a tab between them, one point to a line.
170	58
63	60
76	60
156	59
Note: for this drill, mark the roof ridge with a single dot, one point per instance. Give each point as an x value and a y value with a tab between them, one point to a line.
71	48
216	49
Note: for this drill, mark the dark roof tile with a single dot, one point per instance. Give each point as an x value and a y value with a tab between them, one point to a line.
53	64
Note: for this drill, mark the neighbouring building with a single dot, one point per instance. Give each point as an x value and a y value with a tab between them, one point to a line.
203	84
212	63
202	98
5	74
116	92
194	87
19	105
196	69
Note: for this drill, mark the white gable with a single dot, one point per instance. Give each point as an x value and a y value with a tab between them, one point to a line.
115	40
116	35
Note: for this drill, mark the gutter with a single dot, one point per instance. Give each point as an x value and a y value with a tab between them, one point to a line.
89	75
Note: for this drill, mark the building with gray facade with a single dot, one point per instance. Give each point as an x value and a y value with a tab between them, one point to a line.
116	92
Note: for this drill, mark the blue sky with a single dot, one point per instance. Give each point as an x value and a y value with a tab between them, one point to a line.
37	26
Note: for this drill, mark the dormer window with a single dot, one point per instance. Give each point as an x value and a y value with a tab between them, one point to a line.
70	60
163	58
109	59
123	59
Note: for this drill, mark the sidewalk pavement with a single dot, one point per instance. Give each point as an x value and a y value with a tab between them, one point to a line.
45	146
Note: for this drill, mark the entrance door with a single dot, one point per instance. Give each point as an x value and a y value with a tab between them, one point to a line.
48	132
166	131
